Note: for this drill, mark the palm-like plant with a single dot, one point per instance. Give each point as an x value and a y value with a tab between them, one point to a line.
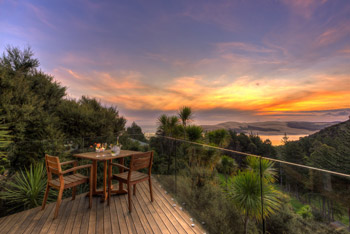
245	192
219	137
162	125
168	125
27	188
227	166
269	173
194	132
185	115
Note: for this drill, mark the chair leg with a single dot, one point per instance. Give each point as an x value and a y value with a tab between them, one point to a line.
45	196
74	190
58	203
134	189
90	192
129	197
150	188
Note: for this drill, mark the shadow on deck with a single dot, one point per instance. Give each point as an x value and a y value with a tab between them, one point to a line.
76	217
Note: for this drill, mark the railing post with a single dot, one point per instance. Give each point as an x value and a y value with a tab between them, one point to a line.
262	198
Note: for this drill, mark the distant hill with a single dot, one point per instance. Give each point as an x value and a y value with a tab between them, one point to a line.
272	127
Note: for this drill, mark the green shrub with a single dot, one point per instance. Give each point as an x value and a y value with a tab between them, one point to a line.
26	189
305	212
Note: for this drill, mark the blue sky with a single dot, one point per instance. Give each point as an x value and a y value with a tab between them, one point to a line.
228	60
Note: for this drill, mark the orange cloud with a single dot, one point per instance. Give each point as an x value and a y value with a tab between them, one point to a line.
128	90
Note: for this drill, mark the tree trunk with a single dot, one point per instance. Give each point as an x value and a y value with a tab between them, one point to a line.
349	216
246	224
323	207
327	182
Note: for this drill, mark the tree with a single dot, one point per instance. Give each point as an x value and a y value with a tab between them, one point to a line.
185	115
28	100
194	133
168	126
38	116
265	166
227	166
245	193
219	137
135	132
5	140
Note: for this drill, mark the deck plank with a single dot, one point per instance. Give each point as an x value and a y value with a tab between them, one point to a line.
107	225
33	222
92	218
71	215
134	218
164	215
16	222
120	216
113	216
84	228
180	215
149	217
144	222
55	222
75	216
47	211
99	217
79	216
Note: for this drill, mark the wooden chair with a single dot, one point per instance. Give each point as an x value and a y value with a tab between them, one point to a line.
132	176
53	166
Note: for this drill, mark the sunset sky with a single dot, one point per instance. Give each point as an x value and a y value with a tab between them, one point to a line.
229	60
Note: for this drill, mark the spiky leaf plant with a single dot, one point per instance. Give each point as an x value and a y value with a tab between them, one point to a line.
26	189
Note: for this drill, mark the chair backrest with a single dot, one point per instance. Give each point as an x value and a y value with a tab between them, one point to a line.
53	166
141	161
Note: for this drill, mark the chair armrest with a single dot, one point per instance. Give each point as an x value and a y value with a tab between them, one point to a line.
69	162
120	165
76	168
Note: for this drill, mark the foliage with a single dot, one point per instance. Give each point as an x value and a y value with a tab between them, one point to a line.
5	140
246	195
251	144
193	132
305	212
265	166
227	166
38	115
169	126
219	137
135	132
185	114
27	188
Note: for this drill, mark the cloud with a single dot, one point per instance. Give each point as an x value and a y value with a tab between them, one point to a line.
242	46
218	13
304	8
41	14
334	34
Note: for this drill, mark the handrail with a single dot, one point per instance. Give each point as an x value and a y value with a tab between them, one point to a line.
258	156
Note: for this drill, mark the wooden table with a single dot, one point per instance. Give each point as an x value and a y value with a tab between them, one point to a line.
105	157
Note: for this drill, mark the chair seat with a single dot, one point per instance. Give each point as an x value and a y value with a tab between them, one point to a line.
135	176
70	180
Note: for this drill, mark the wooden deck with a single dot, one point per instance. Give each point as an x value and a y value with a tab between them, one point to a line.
75	216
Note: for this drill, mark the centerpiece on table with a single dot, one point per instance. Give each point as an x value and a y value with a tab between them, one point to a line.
116	148
100	147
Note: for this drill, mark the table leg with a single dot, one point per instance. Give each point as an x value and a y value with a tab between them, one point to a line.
94	165
121	161
104	196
